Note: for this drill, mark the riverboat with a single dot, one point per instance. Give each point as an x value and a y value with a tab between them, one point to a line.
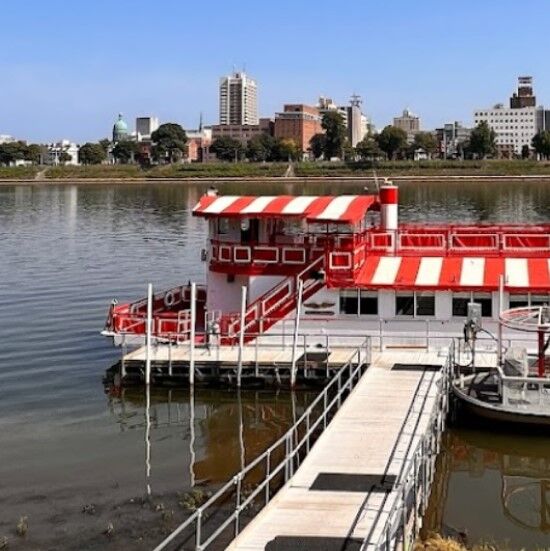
352	267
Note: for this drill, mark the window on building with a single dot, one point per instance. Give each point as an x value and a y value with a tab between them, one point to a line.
461	300
368	303
539	300
460	304
518	301
349	302
404	304
425	304
486	301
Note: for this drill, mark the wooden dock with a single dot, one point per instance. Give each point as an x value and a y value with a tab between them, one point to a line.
342	494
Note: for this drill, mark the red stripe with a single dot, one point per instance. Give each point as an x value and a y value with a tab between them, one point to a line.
204	202
367	273
276	206
357	208
538	273
388	195
235	208
450	272
318	206
494	268
408	270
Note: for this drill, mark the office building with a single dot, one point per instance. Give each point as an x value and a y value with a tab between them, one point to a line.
409	122
451	139
298	122
238	99
516	125
145	126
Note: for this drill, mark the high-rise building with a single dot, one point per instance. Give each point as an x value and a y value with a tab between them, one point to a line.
356	130
238	99
409	122
145	126
516	125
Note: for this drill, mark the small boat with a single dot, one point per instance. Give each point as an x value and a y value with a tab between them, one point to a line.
517	389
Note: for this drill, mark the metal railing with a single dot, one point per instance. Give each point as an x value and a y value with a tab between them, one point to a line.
412	489
276	465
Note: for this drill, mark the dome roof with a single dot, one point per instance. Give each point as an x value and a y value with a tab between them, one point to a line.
120	126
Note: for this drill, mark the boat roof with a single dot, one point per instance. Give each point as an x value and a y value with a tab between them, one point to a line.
454	273
341	209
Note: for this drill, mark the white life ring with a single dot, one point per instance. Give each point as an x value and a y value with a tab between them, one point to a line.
170	299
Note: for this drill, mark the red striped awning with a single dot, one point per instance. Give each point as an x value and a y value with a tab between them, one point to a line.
454	273
344	209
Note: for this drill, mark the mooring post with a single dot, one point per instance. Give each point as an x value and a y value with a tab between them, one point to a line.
148	330
241	335
192	334
295	335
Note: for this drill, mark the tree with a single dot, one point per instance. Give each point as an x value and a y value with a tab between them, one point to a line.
12	152
105	143
91	154
170	142
318	144
261	148
368	148
525	151
227	149
425	141
335	134
124	151
65	157
541	144
33	153
392	140
482	140
287	150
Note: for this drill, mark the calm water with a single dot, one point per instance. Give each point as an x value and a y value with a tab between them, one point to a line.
67	443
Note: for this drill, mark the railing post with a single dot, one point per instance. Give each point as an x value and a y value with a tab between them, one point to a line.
307	429
198	530
170	357
241	335
295	334
404	515
192	334
238	504
267	475
148	334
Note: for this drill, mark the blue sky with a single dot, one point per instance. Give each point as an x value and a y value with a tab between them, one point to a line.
68	68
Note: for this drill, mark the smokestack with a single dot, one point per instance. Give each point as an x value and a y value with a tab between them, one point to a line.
388	206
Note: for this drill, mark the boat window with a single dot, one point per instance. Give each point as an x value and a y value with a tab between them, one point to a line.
539	300
349	301
404	304
460	304
518	301
425	304
368	303
223	225
486	301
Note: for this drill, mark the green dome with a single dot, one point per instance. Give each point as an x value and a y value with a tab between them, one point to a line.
120	125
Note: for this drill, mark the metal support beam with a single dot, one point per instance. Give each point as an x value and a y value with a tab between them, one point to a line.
192	333
148	331
295	335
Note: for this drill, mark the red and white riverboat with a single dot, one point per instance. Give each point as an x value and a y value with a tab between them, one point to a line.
360	269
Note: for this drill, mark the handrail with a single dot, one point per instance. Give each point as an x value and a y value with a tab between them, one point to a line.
294	445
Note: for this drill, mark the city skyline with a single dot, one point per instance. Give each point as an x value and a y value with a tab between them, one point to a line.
72	83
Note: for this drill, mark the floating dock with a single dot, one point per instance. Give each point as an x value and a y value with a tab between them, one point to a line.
343	494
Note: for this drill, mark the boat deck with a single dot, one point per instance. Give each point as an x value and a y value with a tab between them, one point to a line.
344	489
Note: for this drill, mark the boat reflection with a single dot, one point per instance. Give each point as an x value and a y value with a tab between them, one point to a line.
223	429
510	474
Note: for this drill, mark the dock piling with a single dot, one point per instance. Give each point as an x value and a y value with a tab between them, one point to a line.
149	323
192	333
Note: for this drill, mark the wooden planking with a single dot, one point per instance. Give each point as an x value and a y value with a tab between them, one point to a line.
370	426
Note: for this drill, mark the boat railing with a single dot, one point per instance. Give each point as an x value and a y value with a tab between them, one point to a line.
258	482
525	394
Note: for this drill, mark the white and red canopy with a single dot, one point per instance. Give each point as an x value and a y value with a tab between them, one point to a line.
344	209
454	273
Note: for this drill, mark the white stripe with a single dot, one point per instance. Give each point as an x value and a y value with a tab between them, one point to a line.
336	208
386	271
517	272
473	272
299	205
429	271
258	205
221	203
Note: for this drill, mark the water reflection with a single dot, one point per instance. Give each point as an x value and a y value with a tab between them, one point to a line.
493	486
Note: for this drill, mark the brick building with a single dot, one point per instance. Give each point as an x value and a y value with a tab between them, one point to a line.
298	122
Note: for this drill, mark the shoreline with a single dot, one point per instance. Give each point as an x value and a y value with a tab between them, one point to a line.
273	179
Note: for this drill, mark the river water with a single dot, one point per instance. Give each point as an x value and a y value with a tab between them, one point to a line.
73	453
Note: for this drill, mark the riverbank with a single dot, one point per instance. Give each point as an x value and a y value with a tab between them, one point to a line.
301	172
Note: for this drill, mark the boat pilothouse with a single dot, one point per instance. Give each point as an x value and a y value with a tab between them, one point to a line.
358	268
